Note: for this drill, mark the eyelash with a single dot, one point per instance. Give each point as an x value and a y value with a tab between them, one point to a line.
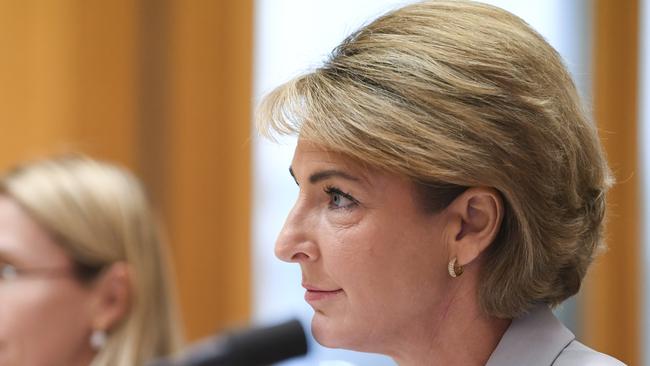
331	191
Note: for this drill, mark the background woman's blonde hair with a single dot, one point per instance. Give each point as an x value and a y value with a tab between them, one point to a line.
99	214
457	94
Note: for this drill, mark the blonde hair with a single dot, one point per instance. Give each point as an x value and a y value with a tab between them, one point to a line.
99	214
458	94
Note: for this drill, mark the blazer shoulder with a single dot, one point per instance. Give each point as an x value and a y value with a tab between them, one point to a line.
577	354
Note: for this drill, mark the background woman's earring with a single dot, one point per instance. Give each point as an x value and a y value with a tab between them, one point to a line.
98	339
454	269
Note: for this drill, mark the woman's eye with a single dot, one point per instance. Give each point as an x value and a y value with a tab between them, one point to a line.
338	199
8	272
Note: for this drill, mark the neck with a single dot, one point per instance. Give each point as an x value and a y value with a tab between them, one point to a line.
460	334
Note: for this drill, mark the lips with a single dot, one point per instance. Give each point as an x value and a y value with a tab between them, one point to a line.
314	294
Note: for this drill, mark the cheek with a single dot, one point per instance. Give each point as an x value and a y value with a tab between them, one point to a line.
391	277
45	317
389	264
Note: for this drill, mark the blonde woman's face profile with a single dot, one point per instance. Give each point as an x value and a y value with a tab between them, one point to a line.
373	263
44	317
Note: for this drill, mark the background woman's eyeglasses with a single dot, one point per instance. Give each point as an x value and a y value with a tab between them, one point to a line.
10	272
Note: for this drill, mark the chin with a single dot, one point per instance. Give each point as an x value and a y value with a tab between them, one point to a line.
321	331
332	333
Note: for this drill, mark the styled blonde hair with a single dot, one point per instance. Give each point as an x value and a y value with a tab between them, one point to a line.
99	214
457	94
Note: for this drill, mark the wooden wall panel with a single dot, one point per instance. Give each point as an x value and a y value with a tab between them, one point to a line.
612	298
209	159
67	71
163	87
106	88
37	87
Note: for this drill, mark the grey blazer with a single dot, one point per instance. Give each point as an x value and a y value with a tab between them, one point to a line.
540	339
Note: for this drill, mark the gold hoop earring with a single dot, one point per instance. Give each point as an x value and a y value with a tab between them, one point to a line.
454	268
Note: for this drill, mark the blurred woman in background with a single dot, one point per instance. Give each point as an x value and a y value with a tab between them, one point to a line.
83	273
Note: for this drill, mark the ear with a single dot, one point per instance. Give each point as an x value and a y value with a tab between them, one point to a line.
112	296
475	218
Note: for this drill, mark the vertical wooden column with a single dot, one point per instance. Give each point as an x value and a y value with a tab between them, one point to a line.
208	175
612	298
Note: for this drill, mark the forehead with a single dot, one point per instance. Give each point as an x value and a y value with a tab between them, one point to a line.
310	153
23	240
310	159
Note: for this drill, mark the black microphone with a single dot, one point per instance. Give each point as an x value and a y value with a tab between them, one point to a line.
251	347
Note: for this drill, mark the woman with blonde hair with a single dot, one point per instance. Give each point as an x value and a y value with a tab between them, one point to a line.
83	273
452	190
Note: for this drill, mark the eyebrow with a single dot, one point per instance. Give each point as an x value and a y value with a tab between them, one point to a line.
325	174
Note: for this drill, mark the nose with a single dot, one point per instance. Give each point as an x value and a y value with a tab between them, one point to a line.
296	241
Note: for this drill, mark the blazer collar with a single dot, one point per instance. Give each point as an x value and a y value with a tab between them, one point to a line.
535	339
